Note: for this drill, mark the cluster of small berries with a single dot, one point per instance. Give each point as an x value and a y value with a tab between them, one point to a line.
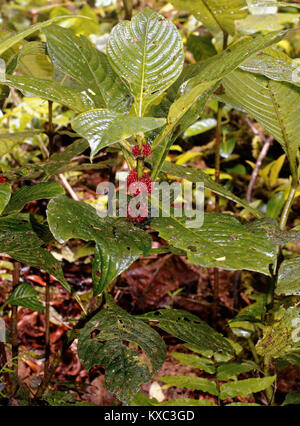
2	179
144	152
133	179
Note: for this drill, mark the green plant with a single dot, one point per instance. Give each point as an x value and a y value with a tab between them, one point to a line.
139	98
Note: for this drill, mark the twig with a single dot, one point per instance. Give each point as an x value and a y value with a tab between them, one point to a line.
69	188
267	143
47	327
128	9
14	328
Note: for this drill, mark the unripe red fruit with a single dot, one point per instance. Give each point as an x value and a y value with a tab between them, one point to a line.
2	179
136	151
146	149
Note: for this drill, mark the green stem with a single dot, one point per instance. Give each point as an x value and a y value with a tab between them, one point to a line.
253	351
288	205
14	329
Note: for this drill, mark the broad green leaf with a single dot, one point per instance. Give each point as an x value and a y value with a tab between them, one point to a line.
15	38
102	127
292	398
274	104
288	283
197	175
188	107
79	59
218	67
26	194
281	335
9	140
125	367
148	54
243	324
200	127
197	383
5	194
273	68
216	15
32	61
245	387
195	361
118	243
141	400
57	163
271	22
49	90
190	329
221	242
18	240
232	369
25	295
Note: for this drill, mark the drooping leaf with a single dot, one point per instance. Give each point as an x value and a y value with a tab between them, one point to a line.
25	295
200	127
197	175
26	194
102	127
118	243
49	90
18	240
15	38
79	59
33	61
288	282
232	369
197	383
245	387
148	54
195	361
125	368
274	104
9	140
190	329
270	22
221	242
5	194
216	15
292	398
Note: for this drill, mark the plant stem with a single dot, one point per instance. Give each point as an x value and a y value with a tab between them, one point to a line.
3	363
217	207
14	328
47	327
253	351
128	9
288	205
50	127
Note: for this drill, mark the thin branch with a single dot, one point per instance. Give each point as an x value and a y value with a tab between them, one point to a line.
14	328
128	9
68	187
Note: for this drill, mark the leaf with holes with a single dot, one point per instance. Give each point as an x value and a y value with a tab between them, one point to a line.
190	329
221	242
102	341
118	243
18	240
148	54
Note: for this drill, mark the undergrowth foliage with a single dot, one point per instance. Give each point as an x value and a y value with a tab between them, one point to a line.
139	98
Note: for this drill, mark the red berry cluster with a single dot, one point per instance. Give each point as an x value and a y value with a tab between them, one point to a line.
2	179
132	179
138	152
